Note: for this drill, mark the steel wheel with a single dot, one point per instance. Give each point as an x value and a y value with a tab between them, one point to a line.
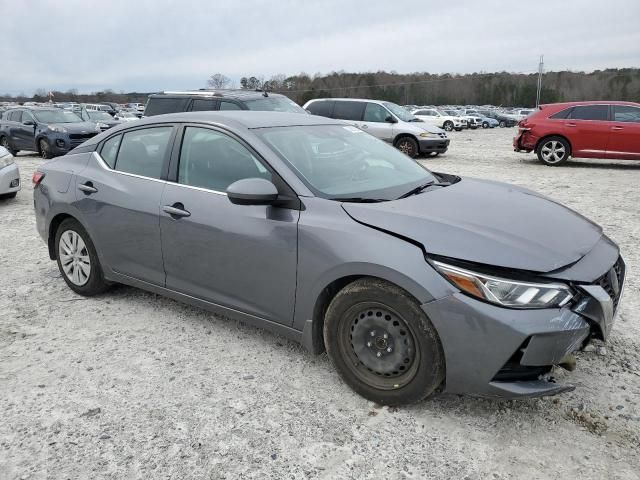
74	258
408	146
380	345
553	151
44	149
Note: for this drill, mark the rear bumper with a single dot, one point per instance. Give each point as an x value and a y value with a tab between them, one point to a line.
9	179
439	145
524	141
507	353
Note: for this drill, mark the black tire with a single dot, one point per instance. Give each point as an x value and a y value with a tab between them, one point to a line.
502	124
485	124
448	125
371	308
44	149
96	283
7	196
459	129
4	142
408	146
553	151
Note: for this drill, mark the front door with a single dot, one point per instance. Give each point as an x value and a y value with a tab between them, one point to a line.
240	257
377	121
119	196
24	135
624	141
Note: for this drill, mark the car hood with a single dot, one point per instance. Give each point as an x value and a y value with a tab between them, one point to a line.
80	127
486	222
422	126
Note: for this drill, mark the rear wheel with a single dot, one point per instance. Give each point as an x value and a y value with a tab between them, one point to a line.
485	124
45	149
553	151
448	125
382	344
502	124
408	146
4	141
77	259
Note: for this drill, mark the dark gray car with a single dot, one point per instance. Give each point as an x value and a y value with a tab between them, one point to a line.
411	280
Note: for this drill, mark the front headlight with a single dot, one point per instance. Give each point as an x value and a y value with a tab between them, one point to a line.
57	128
6	161
427	135
102	125
505	292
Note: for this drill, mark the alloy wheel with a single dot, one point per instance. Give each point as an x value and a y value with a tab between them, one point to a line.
553	151
44	149
74	258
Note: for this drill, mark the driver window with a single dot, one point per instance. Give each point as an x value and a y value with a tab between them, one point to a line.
212	160
375	113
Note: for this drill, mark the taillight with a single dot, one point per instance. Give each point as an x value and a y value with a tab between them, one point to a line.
37	178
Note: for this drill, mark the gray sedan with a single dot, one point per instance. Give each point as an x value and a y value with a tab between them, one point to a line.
412	281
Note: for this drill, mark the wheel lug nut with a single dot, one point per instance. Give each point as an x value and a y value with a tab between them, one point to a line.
368	344
378	354
373	333
389	349
386	336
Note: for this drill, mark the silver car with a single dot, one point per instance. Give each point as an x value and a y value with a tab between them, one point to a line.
9	175
412	281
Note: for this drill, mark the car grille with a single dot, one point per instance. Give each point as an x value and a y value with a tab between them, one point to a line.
612	282
78	138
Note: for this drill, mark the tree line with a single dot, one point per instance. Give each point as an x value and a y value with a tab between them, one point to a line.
502	88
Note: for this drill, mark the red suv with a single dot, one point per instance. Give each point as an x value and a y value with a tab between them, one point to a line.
581	129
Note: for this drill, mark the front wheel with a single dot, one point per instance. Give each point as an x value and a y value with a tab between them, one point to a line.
45	149
382	344
408	146
503	124
77	259
448	125
485	124
553	151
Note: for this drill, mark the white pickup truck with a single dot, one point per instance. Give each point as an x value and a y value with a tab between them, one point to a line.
440	119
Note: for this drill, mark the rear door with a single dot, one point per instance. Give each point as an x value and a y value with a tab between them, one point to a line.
237	256
624	141
588	128
119	193
375	121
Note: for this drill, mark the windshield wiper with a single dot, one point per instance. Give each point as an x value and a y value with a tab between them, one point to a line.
419	188
359	199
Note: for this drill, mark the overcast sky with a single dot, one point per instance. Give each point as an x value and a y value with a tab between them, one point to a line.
150	45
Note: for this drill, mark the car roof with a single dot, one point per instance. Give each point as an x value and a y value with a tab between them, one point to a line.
348	100
235	120
237	94
586	102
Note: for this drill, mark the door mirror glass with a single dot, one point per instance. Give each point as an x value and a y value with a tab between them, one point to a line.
252	191
390	119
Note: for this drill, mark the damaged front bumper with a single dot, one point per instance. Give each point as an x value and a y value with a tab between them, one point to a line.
498	352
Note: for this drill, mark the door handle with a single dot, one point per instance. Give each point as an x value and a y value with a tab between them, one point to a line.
616	127
87	188
569	124
176	210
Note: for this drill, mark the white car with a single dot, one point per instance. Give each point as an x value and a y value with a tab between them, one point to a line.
126	116
9	175
439	119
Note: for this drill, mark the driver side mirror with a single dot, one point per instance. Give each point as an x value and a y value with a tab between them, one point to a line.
29	123
252	191
390	119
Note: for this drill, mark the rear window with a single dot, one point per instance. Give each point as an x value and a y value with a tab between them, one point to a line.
322	108
348	110
162	105
590	112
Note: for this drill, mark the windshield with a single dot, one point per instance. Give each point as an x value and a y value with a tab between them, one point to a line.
344	162
275	104
399	112
98	115
56	116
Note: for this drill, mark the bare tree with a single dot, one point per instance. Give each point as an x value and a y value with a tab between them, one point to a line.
218	81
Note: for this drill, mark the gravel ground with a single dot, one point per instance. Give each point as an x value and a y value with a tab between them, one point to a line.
132	385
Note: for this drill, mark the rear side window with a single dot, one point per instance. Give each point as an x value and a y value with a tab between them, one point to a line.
626	113
590	112
229	106
110	150
203	105
15	116
161	105
348	110
213	160
322	108
562	114
142	152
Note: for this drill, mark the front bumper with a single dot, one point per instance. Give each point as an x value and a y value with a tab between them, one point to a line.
9	179
498	352
62	143
437	145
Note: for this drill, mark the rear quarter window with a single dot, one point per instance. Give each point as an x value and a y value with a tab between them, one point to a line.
162	105
348	110
562	114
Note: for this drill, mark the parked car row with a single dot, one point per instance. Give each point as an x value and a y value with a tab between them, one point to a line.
473	116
